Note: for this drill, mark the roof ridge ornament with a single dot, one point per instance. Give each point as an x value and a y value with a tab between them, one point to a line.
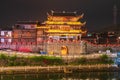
63	11
75	12
52	12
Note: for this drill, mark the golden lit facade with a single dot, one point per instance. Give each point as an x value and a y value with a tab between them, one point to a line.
63	26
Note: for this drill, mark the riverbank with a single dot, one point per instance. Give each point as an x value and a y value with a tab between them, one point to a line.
57	69
47	60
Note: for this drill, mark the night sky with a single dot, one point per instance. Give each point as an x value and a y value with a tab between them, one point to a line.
97	13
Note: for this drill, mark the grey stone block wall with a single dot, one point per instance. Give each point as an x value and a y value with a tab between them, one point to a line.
73	48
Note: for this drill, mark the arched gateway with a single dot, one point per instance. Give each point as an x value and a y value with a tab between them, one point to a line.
64	50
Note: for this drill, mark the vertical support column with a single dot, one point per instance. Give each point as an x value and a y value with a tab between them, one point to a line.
45	42
68	38
81	46
79	36
36	37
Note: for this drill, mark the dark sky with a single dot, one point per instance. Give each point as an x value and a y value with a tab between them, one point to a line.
98	13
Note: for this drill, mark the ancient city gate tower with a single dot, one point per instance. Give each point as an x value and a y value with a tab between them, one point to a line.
61	30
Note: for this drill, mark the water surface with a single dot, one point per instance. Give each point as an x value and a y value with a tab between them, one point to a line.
61	76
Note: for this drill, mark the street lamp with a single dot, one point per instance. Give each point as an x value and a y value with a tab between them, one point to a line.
119	39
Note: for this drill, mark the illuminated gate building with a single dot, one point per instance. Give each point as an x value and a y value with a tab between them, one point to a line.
61	30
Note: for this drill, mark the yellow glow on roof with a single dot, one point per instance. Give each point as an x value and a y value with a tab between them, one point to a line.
42	27
62	23
59	31
62	34
64	18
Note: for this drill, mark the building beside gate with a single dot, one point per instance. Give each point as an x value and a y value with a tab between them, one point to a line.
24	34
5	38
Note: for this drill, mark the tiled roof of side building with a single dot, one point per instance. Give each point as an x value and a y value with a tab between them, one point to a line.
28	22
41	24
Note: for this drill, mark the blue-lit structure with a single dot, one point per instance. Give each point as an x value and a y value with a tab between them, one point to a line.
117	60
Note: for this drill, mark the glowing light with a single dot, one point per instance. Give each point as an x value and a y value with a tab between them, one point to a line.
62	23
70	31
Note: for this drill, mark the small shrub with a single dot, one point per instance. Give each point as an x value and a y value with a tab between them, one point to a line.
3	56
47	60
104	59
23	63
37	58
10	63
82	60
13	58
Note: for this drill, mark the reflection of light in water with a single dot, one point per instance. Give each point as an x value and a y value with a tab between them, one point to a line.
97	79
60	76
91	79
83	79
79	79
113	79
